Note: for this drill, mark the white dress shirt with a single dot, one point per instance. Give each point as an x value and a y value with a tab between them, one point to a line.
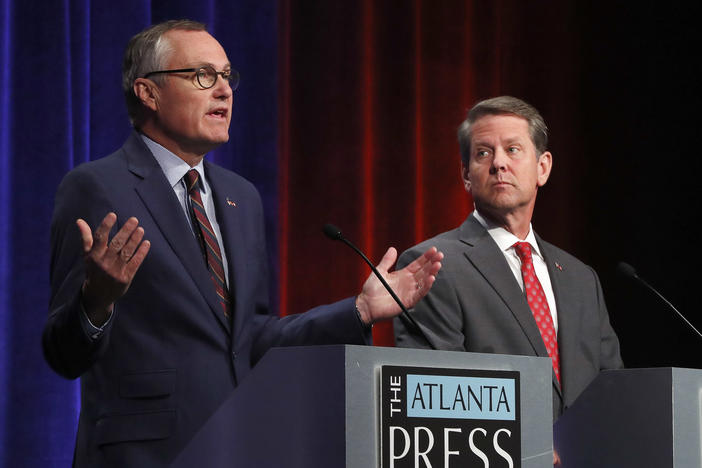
505	240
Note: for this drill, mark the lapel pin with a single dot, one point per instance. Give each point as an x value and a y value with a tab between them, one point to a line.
558	265
230	202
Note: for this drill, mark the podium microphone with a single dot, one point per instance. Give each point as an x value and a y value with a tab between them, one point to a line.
334	233
630	272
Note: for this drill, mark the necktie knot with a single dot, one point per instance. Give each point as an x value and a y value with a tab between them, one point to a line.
523	250
192	179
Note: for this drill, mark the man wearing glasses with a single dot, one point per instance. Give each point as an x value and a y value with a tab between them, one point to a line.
159	297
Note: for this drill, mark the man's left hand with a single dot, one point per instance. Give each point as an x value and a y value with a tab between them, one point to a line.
410	284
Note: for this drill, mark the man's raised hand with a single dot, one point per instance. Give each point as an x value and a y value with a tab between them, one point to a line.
109	266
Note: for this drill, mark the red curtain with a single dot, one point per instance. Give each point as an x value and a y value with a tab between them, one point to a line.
371	96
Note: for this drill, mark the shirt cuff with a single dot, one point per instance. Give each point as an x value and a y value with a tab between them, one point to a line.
366	326
94	332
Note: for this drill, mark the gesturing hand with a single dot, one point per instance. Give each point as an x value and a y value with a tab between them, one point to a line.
410	284
109	268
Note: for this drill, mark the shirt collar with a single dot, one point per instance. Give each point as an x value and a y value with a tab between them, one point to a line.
505	239
172	166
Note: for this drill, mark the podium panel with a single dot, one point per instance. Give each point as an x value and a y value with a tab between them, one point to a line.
634	418
319	406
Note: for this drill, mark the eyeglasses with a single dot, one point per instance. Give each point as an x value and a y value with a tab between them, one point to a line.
206	76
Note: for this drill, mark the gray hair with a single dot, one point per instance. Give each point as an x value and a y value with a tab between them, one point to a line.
503	105
146	52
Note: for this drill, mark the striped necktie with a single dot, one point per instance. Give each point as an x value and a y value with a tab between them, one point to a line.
208	240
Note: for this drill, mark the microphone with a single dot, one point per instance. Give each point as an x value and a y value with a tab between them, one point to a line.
630	272
334	233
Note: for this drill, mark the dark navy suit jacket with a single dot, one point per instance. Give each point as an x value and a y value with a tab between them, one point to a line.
167	358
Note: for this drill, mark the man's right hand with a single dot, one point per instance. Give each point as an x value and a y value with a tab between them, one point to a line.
109	267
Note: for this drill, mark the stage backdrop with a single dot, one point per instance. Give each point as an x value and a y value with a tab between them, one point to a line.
347	113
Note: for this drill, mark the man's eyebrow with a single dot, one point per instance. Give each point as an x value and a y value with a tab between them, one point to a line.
210	64
482	143
518	139
515	139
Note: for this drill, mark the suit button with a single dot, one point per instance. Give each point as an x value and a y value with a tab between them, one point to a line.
234	355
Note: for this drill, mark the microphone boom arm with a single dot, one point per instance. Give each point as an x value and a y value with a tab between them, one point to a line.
405	313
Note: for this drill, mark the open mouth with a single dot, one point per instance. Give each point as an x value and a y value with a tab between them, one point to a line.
218	113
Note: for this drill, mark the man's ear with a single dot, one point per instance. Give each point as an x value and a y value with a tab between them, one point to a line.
543	167
465	175
147	92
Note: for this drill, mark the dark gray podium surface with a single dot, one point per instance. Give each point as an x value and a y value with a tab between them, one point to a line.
634	418
319	407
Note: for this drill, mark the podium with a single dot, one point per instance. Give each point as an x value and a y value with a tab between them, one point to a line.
634	418
319	406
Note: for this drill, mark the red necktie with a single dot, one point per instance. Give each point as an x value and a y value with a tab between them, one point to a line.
208	240
538	304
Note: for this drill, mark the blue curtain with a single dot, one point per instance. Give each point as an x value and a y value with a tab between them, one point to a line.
61	105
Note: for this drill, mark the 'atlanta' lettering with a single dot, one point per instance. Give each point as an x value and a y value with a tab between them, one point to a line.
485	398
460	397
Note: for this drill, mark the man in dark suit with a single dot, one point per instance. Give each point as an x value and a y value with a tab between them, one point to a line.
162	309
478	302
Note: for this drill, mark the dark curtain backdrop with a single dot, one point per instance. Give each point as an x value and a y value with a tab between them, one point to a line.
347	113
376	93
376	90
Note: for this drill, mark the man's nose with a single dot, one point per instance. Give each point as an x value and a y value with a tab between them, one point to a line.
222	89
499	161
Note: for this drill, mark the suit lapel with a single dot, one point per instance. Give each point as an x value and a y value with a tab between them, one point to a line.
487	258
159	198
229	217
